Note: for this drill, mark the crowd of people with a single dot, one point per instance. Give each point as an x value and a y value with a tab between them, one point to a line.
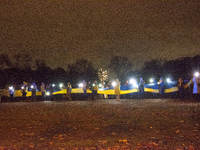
94	87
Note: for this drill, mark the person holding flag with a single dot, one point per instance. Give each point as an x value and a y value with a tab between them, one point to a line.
196	86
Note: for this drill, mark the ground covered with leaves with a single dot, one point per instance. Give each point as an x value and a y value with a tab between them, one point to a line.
100	124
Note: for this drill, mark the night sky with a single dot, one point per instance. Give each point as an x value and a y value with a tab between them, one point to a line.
62	31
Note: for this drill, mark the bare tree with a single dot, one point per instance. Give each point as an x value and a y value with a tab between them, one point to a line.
120	65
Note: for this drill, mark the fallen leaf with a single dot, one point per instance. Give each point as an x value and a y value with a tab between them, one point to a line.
124	141
60	135
155	144
31	134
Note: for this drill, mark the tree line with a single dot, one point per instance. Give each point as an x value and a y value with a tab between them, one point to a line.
178	68
22	68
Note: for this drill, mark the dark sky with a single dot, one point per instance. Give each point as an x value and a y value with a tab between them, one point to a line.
62	31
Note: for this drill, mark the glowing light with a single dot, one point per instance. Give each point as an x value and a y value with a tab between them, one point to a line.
32	86
151	80
11	88
133	82
61	85
47	93
22	87
80	85
114	83
168	80
93	84
53	85
196	74
100	85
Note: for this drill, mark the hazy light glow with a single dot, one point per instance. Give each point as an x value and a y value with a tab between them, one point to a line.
80	85
61	85
168	80
32	86
151	80
133	82
11	88
196	74
114	83
47	93
100	85
53	85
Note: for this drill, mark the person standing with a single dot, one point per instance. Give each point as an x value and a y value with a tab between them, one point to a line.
161	86
69	88
11	91
33	89
24	90
94	90
181	92
42	89
84	90
117	90
196	87
141	88
155	87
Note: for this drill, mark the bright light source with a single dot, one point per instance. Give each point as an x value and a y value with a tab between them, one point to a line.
196	74
61	85
100	85
47	93
93	84
22	87
53	85
133	82
151	80
32	86
168	80
114	83
80	85
11	88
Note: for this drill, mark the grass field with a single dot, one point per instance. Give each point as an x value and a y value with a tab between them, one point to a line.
101	124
